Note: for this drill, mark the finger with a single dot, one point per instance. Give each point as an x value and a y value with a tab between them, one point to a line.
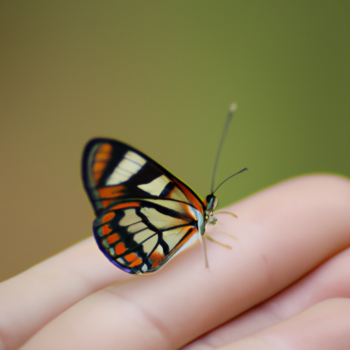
283	233
329	281
325	326
36	296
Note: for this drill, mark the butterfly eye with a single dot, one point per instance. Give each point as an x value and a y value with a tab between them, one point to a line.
211	203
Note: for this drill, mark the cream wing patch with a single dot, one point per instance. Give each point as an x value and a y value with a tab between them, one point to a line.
127	167
130	217
156	186
149	245
174	236
143	235
161	221
178	195
173	205
137	227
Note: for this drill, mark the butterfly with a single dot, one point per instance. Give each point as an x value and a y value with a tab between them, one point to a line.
144	214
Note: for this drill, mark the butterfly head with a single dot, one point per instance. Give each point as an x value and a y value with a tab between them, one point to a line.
211	203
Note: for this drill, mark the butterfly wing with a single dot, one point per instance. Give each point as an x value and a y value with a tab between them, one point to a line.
144	213
141	235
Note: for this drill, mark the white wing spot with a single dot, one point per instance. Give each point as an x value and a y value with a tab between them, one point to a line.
111	251
121	261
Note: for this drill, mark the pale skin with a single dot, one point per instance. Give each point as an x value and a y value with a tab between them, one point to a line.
284	285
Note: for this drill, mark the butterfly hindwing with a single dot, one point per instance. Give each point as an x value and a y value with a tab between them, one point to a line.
140	236
144	213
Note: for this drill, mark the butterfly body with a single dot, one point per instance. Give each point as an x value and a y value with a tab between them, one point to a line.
211	203
144	214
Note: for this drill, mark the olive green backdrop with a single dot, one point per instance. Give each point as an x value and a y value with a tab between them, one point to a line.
160	75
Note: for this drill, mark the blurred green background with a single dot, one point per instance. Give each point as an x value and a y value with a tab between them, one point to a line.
161	75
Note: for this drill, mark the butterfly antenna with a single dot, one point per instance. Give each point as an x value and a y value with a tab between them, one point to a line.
241	171
231	111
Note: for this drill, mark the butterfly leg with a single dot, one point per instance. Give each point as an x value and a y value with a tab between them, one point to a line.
227	234
204	248
215	241
226	212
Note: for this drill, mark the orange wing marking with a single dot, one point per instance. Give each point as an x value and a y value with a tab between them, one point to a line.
170	193
190	196
136	262
130	257
111	192
106	230
108	217
107	202
126	205
98	167
120	248
113	238
105	148
101	159
156	258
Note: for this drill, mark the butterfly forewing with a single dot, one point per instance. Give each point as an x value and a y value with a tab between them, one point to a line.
144	214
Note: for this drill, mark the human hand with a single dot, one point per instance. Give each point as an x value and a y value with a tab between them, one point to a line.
284	285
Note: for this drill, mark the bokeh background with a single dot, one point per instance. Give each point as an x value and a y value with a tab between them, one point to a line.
160	75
